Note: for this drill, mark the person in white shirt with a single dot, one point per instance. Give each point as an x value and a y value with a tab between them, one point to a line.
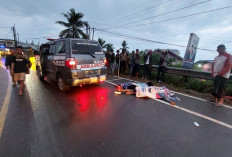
221	69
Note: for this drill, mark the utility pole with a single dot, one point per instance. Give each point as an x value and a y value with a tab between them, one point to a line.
93	34
14	34
89	33
18	38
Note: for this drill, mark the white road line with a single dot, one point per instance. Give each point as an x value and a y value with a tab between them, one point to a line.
179	93
5	105
192	112
114	79
110	82
127	79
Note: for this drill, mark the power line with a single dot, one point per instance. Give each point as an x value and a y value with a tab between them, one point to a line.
5	27
145	10
169	12
183	16
126	7
152	41
8	34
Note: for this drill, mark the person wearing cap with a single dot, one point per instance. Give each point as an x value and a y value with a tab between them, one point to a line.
20	66
163	63
148	59
221	69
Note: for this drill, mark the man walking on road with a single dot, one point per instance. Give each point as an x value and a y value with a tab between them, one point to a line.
20	66
163	62
8	62
221	72
148	59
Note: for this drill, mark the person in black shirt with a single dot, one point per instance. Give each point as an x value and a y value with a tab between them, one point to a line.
148	59
111	61
117	60
20	66
8	62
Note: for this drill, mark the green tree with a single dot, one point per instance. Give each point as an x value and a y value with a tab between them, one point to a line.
109	46
124	45
73	25
102	43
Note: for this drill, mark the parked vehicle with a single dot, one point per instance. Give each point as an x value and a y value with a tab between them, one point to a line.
71	62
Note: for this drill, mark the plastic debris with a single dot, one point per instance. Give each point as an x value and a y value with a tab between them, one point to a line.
196	124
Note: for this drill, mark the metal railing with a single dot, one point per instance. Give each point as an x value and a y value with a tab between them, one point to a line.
188	73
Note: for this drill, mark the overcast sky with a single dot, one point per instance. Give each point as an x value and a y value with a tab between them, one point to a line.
35	20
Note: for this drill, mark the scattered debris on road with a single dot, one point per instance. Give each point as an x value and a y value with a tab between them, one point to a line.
196	124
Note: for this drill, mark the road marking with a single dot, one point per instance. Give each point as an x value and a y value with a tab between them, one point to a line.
191	112
199	99
5	105
114	79
127	79
178	93
110	82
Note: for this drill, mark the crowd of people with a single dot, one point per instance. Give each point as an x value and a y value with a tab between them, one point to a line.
129	64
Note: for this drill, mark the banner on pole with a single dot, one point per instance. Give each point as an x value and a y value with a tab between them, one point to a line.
191	51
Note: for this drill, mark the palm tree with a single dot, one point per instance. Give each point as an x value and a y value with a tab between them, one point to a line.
124	45
102	42
109	46
73	25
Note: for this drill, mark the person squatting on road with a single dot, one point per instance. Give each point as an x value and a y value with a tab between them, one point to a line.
20	66
163	63
148	59
8	62
221	68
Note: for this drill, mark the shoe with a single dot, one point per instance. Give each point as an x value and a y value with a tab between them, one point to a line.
159	81
218	105
14	84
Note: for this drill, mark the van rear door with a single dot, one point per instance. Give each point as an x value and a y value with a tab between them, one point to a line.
88	54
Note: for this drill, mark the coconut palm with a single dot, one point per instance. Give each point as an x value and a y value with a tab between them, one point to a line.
109	46
73	25
124	45
102	42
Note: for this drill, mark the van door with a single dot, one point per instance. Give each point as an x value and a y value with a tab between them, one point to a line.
89	56
50	62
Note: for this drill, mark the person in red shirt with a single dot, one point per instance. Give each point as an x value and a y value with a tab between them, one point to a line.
221	69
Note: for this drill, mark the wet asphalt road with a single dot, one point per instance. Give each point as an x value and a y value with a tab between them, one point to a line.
93	122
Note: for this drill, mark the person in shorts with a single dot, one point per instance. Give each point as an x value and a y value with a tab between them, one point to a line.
20	66
8	62
221	69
